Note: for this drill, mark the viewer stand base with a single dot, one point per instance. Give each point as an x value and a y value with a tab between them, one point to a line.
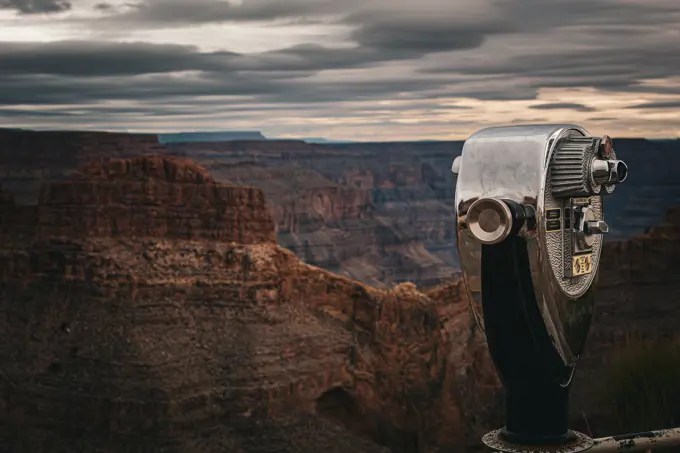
628	443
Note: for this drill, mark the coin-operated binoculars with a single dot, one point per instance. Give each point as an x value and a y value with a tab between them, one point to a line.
529	204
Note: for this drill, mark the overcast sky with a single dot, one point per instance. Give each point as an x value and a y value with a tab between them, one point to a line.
344	69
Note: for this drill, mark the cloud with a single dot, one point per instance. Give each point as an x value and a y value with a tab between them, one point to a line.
563	106
162	13
83	58
78	90
36	6
377	31
172	13
502	59
674	105
18	113
106	7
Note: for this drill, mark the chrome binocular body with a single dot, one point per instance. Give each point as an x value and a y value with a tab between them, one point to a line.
530	219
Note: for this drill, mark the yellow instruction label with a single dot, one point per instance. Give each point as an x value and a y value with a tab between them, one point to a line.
582	264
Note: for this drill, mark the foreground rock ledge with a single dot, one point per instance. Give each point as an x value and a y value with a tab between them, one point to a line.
144	307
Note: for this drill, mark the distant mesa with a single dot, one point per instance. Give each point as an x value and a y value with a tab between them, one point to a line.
233	136
226	136
321	141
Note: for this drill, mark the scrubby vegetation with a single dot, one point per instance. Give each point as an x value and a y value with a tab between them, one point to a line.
642	385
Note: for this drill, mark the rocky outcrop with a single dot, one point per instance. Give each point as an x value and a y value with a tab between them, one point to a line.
62	148
148	197
319	216
378	213
150	339
29	159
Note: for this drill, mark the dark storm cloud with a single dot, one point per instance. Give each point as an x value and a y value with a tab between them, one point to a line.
657	105
106	7
398	30
154	111
36	6
184	12
627	43
51	89
563	106
622	69
80	72
635	60
408	38
449	47
382	30
105	58
606	15
518	15
17	113
88	58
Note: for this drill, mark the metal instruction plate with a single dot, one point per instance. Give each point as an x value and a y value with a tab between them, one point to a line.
552	220
582	264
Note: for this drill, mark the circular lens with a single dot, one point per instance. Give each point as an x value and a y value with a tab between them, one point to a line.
489	220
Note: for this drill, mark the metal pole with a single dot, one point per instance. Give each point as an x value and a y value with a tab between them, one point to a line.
649	440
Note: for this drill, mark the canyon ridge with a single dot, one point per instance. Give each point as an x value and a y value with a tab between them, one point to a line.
148	302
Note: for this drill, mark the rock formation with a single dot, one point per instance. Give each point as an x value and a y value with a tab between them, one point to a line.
28	159
148	197
322	218
378	213
144	307
144	304
395	200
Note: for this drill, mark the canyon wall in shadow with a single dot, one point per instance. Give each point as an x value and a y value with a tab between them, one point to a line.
146	307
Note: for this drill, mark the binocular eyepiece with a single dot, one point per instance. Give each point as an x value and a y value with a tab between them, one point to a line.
529	204
608	172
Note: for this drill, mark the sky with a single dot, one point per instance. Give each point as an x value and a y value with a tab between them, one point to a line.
341	69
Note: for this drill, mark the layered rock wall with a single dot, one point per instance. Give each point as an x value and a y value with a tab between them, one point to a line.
136	342
29	159
365	211
145	197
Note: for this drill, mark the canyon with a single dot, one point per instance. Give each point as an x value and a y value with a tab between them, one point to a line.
151	302
379	213
124	330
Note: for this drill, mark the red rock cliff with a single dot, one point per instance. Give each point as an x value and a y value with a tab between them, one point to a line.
122	332
29	159
146	196
364	211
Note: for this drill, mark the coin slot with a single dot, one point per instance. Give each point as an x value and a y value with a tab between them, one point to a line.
567	218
